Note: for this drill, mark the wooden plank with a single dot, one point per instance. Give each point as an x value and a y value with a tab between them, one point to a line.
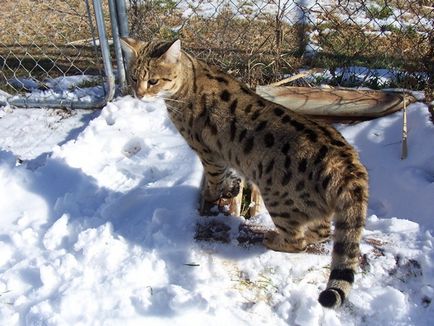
235	203
338	102
257	200
404	149
295	77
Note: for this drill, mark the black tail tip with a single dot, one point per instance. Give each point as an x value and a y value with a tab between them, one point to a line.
331	298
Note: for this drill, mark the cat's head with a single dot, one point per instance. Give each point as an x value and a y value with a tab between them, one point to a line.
153	68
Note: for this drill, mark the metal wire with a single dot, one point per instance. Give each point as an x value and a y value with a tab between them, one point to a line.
49	56
374	43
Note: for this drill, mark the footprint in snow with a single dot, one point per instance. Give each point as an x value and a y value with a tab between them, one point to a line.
133	146
109	120
417	176
107	113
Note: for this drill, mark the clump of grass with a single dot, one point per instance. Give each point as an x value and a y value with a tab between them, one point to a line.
260	289
379	11
415	81
389	28
87	83
9	89
246	201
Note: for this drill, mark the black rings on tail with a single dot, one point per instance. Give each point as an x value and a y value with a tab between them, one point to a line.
334	295
331	298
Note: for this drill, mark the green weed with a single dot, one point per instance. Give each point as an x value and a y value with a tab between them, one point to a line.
381	11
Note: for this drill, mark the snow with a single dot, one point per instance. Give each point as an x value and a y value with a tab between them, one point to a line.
98	218
312	12
82	88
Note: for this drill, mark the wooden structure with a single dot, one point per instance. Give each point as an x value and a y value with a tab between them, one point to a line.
336	104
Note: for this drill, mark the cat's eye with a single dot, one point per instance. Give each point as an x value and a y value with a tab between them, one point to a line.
152	82
134	79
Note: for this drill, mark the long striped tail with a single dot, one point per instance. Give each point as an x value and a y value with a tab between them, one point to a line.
349	222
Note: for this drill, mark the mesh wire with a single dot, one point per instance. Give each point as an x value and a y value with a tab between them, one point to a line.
375	43
41	40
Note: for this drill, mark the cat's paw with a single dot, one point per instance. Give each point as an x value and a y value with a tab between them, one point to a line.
275	241
211	194
231	187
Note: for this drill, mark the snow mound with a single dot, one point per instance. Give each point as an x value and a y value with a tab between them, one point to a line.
101	231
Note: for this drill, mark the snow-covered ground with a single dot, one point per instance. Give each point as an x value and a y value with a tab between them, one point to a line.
99	211
83	89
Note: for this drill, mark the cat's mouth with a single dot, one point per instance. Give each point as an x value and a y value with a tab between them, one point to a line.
146	98
162	95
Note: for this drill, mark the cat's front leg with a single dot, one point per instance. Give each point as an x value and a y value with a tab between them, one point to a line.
220	181
231	184
225	185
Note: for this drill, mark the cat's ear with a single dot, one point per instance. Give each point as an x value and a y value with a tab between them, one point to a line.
130	46
173	53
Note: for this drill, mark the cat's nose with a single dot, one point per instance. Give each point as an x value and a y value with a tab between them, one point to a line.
140	92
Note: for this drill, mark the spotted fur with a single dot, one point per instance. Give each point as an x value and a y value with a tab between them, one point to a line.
307	173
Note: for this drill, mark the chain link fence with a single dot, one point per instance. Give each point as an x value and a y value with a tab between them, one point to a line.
56	52
373	43
50	53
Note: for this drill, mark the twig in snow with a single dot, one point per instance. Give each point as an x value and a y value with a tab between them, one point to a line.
192	264
295	77
404	151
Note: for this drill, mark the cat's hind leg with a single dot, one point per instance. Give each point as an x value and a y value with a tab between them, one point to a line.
289	233
318	231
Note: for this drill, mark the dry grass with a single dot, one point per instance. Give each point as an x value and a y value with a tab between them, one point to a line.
44	21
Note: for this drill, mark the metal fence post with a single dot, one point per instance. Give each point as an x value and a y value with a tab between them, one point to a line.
122	17
105	50
115	15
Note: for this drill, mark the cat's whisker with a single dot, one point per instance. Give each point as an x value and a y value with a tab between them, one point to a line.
168	105
173	109
173	100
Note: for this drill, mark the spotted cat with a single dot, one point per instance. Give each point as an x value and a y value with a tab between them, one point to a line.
307	173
